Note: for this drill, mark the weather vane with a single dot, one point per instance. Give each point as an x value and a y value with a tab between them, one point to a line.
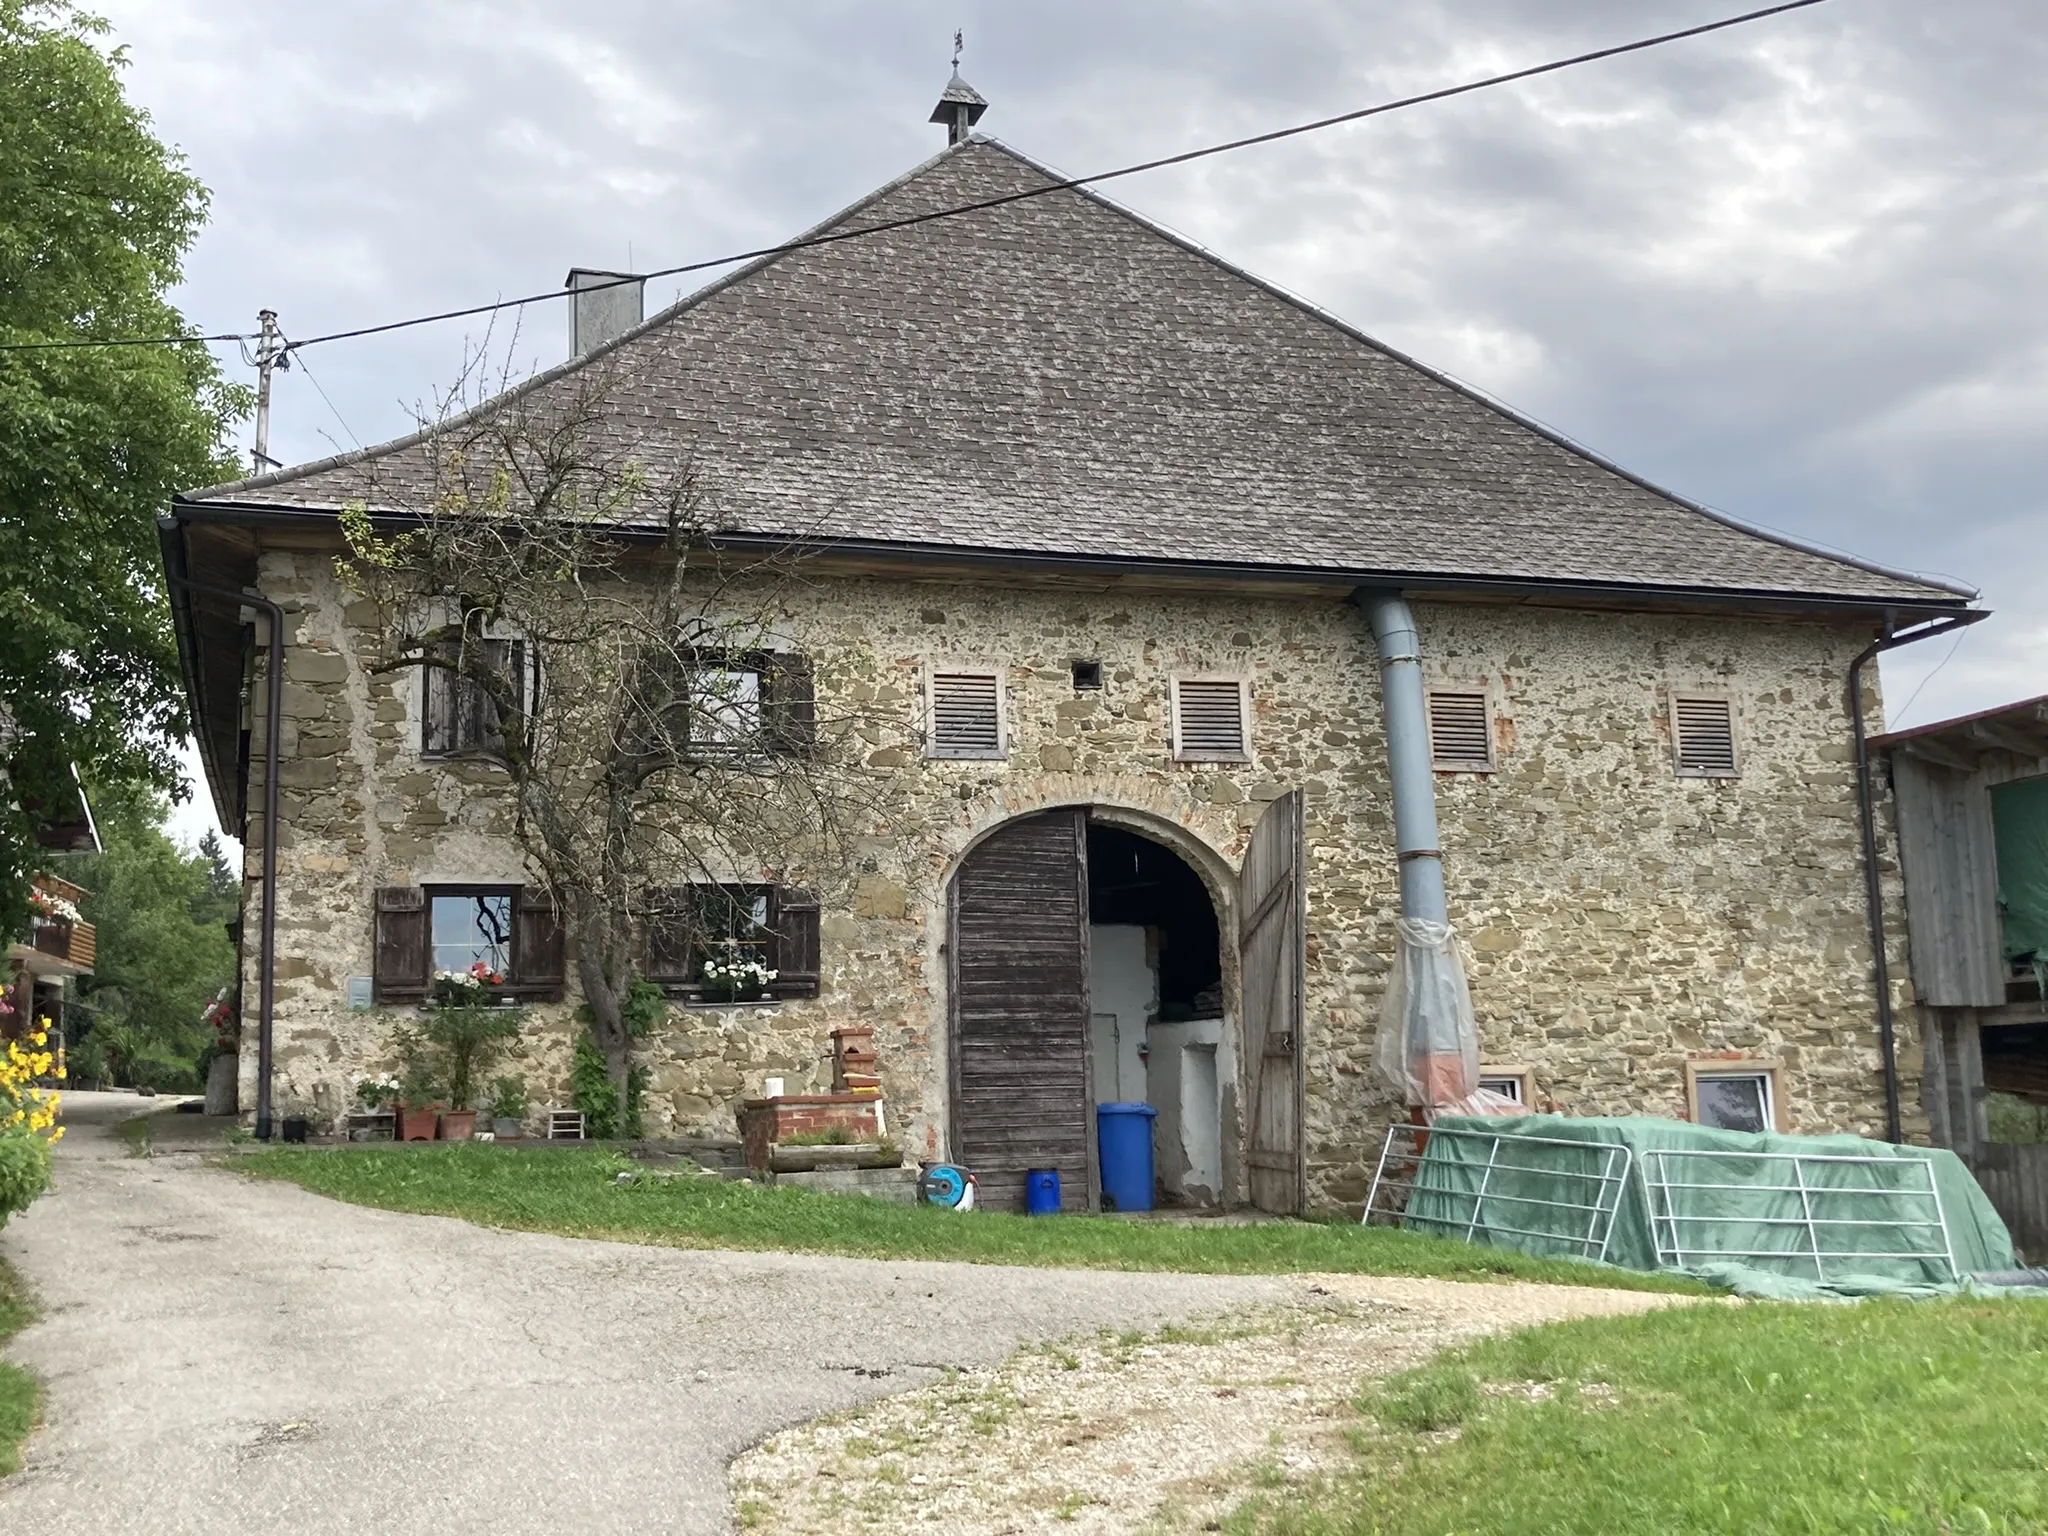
959	43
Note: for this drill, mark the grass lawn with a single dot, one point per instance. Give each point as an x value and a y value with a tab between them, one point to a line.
19	1396
575	1193
1883	1416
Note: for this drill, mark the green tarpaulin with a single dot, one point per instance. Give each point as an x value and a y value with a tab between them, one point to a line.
2019	818
1746	1215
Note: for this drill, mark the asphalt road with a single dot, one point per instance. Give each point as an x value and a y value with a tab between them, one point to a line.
223	1355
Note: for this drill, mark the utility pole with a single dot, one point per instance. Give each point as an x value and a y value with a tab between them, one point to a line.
270	352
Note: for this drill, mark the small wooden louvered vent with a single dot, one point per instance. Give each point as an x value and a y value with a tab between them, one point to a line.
1460	731
1208	720
967	714
1703	730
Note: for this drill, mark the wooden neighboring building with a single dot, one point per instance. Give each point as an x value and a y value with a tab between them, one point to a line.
1972	796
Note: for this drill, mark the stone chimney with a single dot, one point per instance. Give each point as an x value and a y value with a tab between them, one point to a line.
603	307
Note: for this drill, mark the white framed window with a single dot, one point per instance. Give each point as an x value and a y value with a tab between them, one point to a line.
1703	736
724	706
1734	1096
964	715
1212	720
1460	730
1517	1083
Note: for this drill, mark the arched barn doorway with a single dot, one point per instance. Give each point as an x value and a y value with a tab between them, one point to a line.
1087	963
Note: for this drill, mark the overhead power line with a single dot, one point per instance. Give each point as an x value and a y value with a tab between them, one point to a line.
1065	184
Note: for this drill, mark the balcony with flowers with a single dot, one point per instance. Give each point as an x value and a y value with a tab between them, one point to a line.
59	942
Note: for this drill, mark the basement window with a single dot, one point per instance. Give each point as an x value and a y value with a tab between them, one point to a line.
965	714
1210	716
1703	735
1460	731
1738	1097
1087	676
1517	1083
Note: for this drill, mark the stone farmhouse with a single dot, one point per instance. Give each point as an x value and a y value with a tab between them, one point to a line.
1136	547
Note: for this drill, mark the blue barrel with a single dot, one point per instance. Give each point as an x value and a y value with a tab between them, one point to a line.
1123	1135
1042	1192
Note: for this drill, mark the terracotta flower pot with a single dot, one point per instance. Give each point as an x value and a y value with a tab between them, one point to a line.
416	1122
458	1124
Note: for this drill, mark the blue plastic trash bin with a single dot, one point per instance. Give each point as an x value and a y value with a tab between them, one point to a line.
1123	1136
1042	1192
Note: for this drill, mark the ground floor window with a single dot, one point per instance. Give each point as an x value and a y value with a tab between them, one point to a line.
509	933
472	930
1738	1096
1516	1083
733	942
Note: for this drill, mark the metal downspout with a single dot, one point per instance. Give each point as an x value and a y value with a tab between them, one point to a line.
1408	763
1873	882
273	719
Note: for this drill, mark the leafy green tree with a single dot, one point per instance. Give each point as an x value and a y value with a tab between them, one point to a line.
96	216
162	916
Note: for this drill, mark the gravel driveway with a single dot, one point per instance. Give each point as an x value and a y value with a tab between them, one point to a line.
224	1355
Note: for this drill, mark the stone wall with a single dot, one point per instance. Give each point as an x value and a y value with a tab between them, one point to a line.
1618	918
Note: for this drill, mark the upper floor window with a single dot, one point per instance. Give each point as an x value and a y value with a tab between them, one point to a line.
745	703
1703	736
964	713
1460	730
462	714
725	706
1211	720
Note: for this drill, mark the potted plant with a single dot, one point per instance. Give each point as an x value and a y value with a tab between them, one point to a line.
375	1097
295	1124
508	1107
736	979
454	989
419	1100
466	1038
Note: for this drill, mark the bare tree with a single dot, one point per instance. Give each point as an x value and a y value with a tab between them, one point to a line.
564	609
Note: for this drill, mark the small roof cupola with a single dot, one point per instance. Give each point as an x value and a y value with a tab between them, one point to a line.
960	104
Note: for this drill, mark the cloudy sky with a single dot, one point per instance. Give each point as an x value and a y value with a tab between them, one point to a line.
1796	270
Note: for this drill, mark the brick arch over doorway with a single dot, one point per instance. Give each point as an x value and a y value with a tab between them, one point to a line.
1021	1037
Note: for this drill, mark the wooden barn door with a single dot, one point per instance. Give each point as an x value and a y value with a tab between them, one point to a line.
1018	962
1270	946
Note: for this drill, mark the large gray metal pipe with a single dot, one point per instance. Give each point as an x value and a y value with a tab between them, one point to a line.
1408	765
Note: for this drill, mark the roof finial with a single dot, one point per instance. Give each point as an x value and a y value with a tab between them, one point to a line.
960	104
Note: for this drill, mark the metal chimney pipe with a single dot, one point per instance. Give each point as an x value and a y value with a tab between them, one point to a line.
1416	843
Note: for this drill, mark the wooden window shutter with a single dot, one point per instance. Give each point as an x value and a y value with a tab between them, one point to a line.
795	921
439	724
967	714
1460	731
400	952
1703	735
459	715
789	708
668	935
1209	720
537	968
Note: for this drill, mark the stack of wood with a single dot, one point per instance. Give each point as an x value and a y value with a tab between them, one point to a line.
853	1060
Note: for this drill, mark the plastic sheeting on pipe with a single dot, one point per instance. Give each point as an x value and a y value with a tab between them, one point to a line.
1428	1046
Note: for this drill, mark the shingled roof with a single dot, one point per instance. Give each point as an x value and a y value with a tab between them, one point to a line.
1059	379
